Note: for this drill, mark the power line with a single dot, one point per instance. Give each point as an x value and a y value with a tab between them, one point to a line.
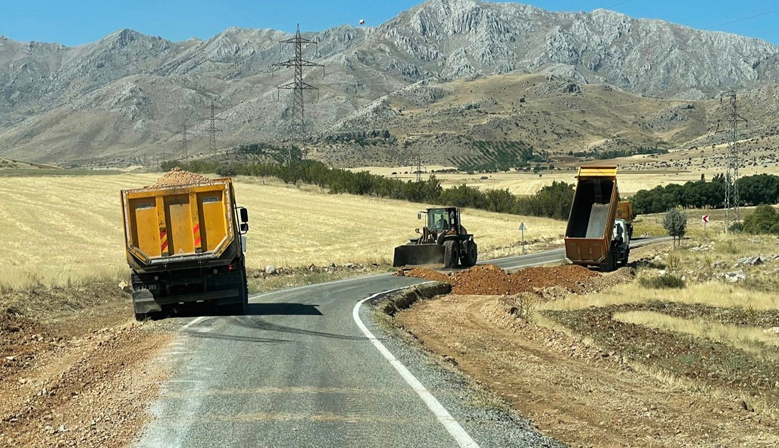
743	19
617	4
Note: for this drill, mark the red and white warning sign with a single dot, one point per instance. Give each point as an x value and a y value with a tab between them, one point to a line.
705	218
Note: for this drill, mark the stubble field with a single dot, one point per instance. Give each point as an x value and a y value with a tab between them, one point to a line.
60	231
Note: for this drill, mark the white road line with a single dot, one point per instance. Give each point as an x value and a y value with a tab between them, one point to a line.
455	430
194	322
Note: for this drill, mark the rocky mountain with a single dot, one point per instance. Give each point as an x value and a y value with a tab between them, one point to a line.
130	94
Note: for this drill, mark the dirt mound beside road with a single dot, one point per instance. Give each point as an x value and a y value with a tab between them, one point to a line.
177	176
492	280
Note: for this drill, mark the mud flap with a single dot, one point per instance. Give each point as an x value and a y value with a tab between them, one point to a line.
144	303
418	254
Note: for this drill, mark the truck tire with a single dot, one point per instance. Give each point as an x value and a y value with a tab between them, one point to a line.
451	254
239	308
610	264
140	317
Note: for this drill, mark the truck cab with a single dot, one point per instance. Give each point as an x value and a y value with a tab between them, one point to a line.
620	241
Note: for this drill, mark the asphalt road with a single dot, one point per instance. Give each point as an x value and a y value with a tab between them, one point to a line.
298	371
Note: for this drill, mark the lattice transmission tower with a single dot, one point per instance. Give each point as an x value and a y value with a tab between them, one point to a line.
732	198
298	85
184	142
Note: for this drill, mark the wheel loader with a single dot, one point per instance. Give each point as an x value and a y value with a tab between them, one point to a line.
442	241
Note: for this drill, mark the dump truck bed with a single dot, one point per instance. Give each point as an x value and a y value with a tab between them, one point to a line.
165	225
591	222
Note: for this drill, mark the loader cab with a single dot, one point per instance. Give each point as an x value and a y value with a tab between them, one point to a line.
442	219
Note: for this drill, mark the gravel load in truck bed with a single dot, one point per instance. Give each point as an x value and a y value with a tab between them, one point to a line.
177	176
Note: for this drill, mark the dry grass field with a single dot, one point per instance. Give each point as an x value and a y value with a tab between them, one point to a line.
67	230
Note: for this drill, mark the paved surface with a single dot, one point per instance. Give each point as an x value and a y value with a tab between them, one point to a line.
297	371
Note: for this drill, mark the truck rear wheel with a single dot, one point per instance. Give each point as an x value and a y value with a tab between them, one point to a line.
451	254
239	308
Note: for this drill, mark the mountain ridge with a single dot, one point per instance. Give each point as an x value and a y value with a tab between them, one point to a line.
130	92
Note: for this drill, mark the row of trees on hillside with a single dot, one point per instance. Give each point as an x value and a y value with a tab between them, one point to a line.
753	190
552	201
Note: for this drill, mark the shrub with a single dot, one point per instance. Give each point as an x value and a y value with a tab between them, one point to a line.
736	228
761	221
668	281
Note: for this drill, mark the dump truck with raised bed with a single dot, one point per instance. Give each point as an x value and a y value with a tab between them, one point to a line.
186	244
594	236
442	241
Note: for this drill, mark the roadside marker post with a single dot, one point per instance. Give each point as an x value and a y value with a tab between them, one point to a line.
522	229
705	220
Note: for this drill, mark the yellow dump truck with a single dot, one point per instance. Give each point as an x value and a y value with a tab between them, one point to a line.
186	244
594	235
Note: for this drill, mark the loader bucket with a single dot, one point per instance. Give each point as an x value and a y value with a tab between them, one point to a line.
418	254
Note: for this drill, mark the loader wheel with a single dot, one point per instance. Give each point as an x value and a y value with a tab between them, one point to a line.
473	254
451	254
140	317
469	255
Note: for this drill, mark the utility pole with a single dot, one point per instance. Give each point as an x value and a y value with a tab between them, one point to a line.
298	85
732	198
419	167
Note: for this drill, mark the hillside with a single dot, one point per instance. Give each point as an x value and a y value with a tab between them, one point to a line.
469	123
129	94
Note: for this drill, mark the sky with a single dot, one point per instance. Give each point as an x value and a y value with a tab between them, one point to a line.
76	22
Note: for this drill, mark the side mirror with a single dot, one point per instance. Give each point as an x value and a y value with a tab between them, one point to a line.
244	228
419	215
244	215
417	231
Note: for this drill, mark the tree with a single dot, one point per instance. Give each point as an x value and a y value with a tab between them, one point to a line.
675	223
761	221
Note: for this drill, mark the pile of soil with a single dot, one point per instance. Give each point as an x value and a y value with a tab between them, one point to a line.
492	280
424	273
177	176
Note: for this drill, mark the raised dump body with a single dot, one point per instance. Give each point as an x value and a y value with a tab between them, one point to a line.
589	237
185	244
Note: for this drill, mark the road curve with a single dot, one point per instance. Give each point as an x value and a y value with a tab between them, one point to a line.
298	371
